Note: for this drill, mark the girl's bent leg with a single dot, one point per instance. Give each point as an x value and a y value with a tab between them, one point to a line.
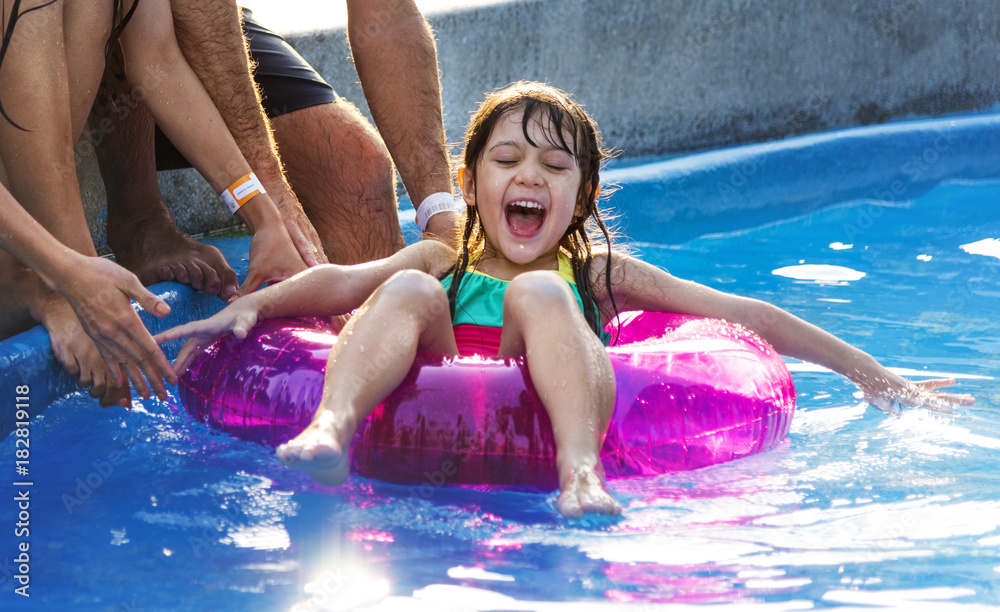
373	354
573	376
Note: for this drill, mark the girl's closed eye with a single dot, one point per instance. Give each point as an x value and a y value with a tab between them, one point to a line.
505	156
558	162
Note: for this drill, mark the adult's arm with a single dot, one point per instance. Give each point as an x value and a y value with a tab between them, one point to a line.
184	111
396	59
99	292
58	249
210	35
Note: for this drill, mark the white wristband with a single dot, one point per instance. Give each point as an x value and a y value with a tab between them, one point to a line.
433	204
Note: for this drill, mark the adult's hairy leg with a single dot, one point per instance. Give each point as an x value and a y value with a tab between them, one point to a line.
342	175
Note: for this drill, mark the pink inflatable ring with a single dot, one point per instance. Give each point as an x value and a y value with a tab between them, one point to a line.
691	392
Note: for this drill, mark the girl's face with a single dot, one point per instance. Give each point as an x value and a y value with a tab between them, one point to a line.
526	193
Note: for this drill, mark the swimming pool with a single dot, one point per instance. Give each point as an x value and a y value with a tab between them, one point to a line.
888	237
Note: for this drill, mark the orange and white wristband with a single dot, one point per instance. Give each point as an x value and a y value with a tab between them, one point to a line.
240	192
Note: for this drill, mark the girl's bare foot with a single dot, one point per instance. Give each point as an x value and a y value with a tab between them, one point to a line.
155	250
320	451
582	491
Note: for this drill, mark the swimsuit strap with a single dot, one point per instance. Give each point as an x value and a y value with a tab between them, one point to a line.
480	299
565	270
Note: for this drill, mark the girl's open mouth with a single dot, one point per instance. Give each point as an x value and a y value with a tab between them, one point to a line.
524	218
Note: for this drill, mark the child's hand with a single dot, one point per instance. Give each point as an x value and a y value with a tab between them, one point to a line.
889	390
238	318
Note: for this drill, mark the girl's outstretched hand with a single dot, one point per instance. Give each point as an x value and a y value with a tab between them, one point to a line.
238	318
890	390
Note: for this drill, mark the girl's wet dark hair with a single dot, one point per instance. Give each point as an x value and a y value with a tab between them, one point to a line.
568	127
119	20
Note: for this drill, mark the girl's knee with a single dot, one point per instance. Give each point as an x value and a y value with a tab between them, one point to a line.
413	290
532	292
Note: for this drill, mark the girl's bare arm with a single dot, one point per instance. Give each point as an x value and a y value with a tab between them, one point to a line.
641	286
324	290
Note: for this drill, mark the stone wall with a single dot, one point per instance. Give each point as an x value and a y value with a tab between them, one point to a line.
669	76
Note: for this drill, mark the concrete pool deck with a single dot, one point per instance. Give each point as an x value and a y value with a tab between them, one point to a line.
665	76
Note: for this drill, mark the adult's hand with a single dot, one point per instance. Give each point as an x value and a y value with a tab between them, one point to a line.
273	258
99	291
300	230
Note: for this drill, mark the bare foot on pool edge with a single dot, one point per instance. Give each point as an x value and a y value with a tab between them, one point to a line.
319	452
584	492
155	250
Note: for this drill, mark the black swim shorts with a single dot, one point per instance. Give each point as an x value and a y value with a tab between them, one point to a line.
287	83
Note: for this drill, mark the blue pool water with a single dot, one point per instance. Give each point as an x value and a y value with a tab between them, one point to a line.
148	510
